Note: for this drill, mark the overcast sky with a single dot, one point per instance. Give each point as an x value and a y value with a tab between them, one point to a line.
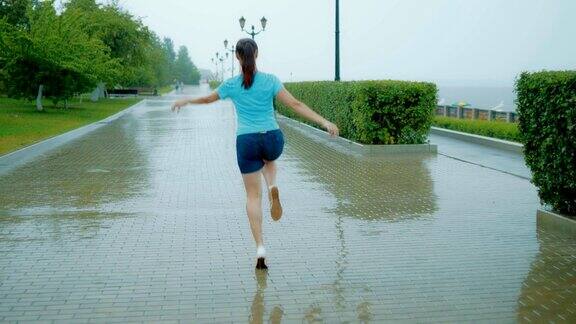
467	42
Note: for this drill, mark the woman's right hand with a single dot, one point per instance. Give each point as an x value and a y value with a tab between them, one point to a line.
179	104
331	128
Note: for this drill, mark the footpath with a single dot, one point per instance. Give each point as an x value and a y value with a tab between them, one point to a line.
143	219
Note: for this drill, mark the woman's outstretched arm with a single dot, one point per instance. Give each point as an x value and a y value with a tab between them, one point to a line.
202	100
303	110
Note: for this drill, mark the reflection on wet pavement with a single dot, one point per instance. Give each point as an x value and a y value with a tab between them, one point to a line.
258	306
75	188
143	219
387	189
549	289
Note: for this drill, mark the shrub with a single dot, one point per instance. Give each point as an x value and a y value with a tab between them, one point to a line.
547	115
213	84
497	129
370	112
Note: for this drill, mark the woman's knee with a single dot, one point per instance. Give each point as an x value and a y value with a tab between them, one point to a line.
255	196
252	186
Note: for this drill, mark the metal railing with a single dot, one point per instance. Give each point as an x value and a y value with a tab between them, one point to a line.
476	113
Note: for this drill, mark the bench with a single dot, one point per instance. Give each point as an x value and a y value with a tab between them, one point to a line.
147	91
135	92
122	93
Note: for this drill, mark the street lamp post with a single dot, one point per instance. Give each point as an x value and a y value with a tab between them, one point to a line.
263	22
337	45
221	59
215	62
233	51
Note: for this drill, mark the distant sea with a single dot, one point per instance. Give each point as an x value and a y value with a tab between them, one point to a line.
502	98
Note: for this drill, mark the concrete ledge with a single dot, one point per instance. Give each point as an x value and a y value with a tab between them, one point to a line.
351	146
552	220
17	158
478	139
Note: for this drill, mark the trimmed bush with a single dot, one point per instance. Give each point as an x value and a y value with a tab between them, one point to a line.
496	129
370	112
213	84
547	115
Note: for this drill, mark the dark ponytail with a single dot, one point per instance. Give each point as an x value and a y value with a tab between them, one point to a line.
246	49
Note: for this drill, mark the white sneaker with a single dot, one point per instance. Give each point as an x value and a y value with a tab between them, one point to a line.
260	261
261	252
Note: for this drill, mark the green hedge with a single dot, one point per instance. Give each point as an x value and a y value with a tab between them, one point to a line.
547	115
370	112
214	84
496	129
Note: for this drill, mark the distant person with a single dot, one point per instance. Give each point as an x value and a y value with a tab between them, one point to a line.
259	140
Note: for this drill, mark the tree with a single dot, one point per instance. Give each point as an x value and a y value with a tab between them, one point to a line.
145	59
127	38
14	11
53	57
59	54
162	60
82	5
168	46
170	57
186	71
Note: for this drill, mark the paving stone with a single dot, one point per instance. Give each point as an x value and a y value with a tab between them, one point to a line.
144	220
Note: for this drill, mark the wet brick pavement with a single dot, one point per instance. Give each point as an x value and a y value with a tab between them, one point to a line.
143	220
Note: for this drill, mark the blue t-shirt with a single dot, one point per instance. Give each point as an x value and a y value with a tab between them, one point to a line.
254	106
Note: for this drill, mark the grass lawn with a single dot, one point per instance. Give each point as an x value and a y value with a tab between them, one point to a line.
21	125
165	89
496	129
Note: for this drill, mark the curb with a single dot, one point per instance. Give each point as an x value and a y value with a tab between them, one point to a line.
479	139
19	157
354	147
559	222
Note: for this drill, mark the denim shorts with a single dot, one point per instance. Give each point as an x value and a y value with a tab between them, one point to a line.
253	148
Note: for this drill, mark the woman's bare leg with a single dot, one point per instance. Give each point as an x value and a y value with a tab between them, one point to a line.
269	172
252	184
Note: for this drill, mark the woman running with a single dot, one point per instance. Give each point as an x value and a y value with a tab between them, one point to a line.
259	140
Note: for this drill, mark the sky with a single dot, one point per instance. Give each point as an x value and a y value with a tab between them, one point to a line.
450	42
